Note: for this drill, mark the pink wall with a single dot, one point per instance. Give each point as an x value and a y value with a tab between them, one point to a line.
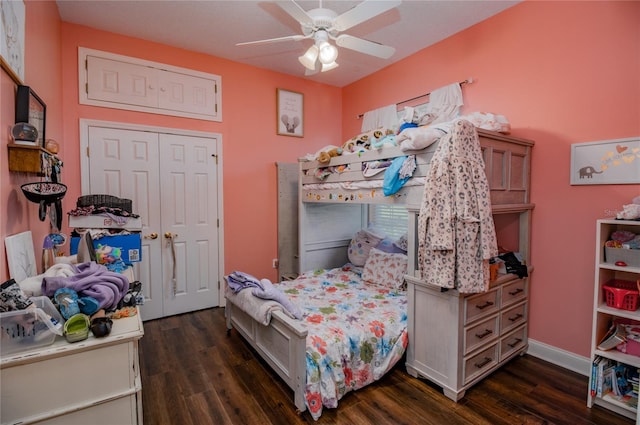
250	144
43	73
562	73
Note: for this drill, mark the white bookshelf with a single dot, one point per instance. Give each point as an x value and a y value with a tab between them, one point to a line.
603	314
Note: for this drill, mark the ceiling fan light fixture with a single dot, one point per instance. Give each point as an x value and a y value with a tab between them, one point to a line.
329	66
308	60
328	53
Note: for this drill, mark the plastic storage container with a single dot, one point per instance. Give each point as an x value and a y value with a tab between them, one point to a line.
630	256
622	294
31	328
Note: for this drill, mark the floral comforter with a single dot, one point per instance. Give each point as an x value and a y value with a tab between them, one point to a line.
357	332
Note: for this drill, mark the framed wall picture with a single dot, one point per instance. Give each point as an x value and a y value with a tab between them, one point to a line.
20	256
606	162
290	113
12	38
30	108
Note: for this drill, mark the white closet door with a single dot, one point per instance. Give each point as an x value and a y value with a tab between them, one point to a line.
125	163
189	213
171	180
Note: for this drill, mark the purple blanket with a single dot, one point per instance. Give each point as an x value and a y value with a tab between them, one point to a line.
270	292
91	280
262	288
238	281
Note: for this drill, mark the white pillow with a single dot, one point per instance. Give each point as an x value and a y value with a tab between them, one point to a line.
384	268
360	246
415	138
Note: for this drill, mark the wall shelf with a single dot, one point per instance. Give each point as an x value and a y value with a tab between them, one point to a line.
26	159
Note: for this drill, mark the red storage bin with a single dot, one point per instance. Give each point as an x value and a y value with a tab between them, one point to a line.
622	294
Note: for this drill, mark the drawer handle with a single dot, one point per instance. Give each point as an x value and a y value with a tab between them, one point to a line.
516	292
485	305
514	343
486	332
516	317
483	363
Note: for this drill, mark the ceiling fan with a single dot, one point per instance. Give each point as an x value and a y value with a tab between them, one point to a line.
323	25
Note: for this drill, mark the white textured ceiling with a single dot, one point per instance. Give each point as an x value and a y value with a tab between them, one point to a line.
215	26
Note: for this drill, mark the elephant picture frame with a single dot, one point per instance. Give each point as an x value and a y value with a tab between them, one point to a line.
289	113
615	161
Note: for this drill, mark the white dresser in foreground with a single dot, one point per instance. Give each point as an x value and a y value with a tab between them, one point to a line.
96	381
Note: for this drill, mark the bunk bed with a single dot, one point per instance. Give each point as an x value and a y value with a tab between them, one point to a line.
331	211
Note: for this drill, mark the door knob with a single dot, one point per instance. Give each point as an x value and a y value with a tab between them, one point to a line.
153	235
169	235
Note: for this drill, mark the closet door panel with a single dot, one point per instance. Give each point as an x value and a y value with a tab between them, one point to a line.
186	93
125	163
121	82
189	222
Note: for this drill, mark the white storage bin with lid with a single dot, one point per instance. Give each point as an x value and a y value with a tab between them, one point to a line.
24	330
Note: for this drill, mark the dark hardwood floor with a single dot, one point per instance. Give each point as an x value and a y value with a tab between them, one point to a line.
193	372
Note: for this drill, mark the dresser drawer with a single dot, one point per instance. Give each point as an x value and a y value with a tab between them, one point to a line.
121	411
482	333
512	342
480	363
512	318
513	292
41	387
481	305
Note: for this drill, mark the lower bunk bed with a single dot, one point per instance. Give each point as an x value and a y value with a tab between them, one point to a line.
350	321
353	331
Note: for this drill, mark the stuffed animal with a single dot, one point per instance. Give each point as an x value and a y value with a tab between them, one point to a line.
349	146
325	156
389	139
106	254
111	258
364	140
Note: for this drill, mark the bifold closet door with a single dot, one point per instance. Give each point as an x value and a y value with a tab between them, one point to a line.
171	181
189	213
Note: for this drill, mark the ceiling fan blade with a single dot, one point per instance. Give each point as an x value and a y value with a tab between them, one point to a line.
363	12
297	12
275	40
365	46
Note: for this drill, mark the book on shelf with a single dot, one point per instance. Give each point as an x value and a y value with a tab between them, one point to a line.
594	376
614	379
608	381
615	335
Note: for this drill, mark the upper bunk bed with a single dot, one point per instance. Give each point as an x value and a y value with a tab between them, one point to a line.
329	209
507	164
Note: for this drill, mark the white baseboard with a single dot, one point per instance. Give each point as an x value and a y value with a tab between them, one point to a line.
559	357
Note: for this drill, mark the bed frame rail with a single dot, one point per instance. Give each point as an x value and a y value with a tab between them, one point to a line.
282	345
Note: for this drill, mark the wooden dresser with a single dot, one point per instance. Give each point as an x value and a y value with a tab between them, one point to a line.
95	381
457	339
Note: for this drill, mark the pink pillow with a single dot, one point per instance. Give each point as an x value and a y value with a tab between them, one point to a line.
360	245
384	268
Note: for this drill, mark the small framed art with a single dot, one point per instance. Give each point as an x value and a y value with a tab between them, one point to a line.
290	113
12	33
606	162
30	108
